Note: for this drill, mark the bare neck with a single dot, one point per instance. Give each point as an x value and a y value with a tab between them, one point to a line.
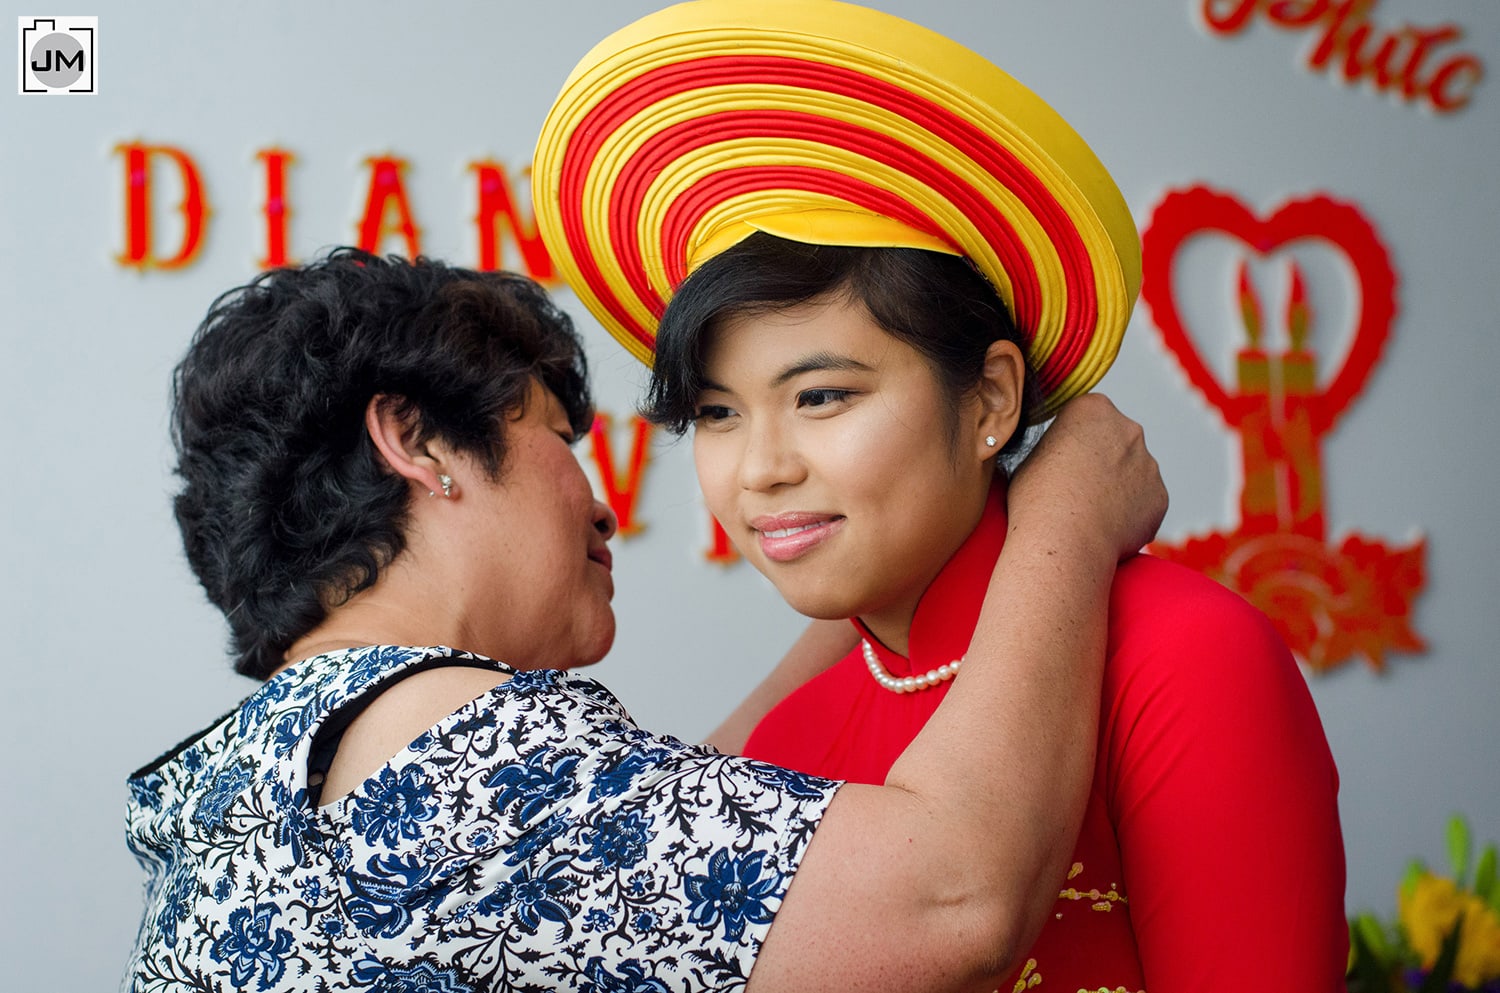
402	608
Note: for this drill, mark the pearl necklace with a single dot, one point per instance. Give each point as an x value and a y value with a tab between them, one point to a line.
908	684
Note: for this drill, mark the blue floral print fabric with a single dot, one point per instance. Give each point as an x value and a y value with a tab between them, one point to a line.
534	840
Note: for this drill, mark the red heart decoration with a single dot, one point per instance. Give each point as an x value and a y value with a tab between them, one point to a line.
1182	214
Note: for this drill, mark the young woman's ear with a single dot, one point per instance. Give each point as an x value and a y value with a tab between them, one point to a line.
1000	397
395	438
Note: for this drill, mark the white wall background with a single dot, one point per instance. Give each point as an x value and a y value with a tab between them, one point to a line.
111	654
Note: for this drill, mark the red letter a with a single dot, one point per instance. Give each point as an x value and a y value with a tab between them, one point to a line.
387	189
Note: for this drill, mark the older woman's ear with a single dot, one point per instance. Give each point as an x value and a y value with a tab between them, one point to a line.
395	437
1001	397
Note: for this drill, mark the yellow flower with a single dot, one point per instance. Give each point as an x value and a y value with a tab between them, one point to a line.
1479	948
1430	907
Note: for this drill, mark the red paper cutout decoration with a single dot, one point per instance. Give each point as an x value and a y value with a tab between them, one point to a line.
276	208
621	498
622	495
498	212
388	190
140	248
721	550
1354	49
1329	603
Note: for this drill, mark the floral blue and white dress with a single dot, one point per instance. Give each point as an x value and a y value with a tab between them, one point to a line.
535	839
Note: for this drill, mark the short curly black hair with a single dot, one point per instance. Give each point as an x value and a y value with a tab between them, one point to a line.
286	508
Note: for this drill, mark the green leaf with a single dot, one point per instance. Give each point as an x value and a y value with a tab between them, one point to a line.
1458	848
1368	973
1372	935
1414	870
1442	970
1484	875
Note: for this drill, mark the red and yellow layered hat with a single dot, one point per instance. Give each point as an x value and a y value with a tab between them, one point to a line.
828	123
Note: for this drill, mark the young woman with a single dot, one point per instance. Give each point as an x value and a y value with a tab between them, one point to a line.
862	259
854	404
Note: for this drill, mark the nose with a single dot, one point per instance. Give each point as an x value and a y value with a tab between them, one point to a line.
605	520
768	459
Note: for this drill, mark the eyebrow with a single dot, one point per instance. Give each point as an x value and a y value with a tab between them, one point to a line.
816	362
820	362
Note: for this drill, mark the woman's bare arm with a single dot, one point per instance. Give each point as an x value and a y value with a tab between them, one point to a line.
940	878
821	645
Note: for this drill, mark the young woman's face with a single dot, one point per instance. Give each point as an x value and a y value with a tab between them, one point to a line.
825	448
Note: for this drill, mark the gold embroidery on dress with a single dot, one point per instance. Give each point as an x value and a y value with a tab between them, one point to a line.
1029	978
1104	900
1101	899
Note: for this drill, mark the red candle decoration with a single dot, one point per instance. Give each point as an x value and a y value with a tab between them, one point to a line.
1297	314
1329	602
1249	306
1258	496
1301	458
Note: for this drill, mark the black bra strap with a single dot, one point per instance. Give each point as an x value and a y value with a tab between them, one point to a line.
325	744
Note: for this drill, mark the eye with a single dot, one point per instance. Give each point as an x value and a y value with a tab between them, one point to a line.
822	397
712	412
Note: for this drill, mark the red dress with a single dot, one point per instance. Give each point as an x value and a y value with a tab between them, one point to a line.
1210	857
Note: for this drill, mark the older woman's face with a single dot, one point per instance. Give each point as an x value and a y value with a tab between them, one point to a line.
537	553
823	446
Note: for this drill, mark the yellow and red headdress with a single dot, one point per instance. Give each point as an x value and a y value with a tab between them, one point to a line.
829	123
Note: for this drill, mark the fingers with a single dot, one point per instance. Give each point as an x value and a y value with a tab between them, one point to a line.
1093	465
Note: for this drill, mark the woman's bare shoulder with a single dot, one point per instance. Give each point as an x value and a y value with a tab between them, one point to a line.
397	717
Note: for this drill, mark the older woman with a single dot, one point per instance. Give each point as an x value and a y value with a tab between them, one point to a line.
378	492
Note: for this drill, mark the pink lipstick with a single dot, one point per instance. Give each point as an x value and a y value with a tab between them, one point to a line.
787	537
